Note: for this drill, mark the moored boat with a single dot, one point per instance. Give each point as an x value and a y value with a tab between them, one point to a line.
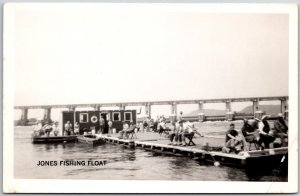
53	139
90	139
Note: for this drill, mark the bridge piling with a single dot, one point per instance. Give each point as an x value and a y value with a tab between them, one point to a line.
24	117
201	114
148	109
229	113
47	115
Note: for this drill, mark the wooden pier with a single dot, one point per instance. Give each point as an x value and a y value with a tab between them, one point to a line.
205	153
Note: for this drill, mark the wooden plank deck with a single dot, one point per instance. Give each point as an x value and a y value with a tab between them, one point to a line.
157	143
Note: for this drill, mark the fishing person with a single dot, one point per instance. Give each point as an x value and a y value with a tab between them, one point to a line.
123	131
249	132
281	130
37	129
47	128
188	131
266	136
233	142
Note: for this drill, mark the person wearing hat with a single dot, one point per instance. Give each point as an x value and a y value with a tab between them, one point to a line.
249	132
281	130
264	136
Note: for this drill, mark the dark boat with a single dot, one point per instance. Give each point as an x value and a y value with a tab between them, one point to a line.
90	139
53	139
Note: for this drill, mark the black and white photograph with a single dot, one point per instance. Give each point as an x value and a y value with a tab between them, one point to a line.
150	98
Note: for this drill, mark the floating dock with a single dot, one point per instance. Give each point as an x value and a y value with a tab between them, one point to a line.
254	159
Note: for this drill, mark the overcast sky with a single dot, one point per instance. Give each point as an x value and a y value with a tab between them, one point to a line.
81	56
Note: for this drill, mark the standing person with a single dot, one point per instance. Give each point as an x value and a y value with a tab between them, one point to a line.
68	128
71	128
264	136
110	127
146	124
173	134
281	130
180	130
55	128
101	123
76	128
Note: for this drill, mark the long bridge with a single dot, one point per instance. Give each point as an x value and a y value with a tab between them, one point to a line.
200	102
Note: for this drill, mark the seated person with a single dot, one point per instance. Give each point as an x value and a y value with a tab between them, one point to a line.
47	128
37	130
249	132
188	130
131	129
265	137
162	127
184	130
233	142
281	130
123	131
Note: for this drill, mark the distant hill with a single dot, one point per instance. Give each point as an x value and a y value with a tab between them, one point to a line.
208	112
269	109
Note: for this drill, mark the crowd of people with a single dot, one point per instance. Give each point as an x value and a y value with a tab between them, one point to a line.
177	131
259	133
45	130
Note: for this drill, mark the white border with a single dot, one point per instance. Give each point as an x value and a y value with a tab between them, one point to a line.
94	186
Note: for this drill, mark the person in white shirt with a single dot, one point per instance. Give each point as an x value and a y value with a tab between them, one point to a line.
55	128
266	136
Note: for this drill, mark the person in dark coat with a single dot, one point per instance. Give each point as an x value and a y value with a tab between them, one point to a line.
249	132
281	130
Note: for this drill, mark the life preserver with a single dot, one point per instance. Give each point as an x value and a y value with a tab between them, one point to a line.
94	119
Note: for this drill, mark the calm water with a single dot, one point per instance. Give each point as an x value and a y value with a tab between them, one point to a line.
122	163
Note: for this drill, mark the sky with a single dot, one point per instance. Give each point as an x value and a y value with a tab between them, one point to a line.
66	56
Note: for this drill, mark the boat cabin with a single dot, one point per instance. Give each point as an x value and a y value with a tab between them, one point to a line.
89	120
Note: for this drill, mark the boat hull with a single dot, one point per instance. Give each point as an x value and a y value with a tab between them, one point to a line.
90	139
53	139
